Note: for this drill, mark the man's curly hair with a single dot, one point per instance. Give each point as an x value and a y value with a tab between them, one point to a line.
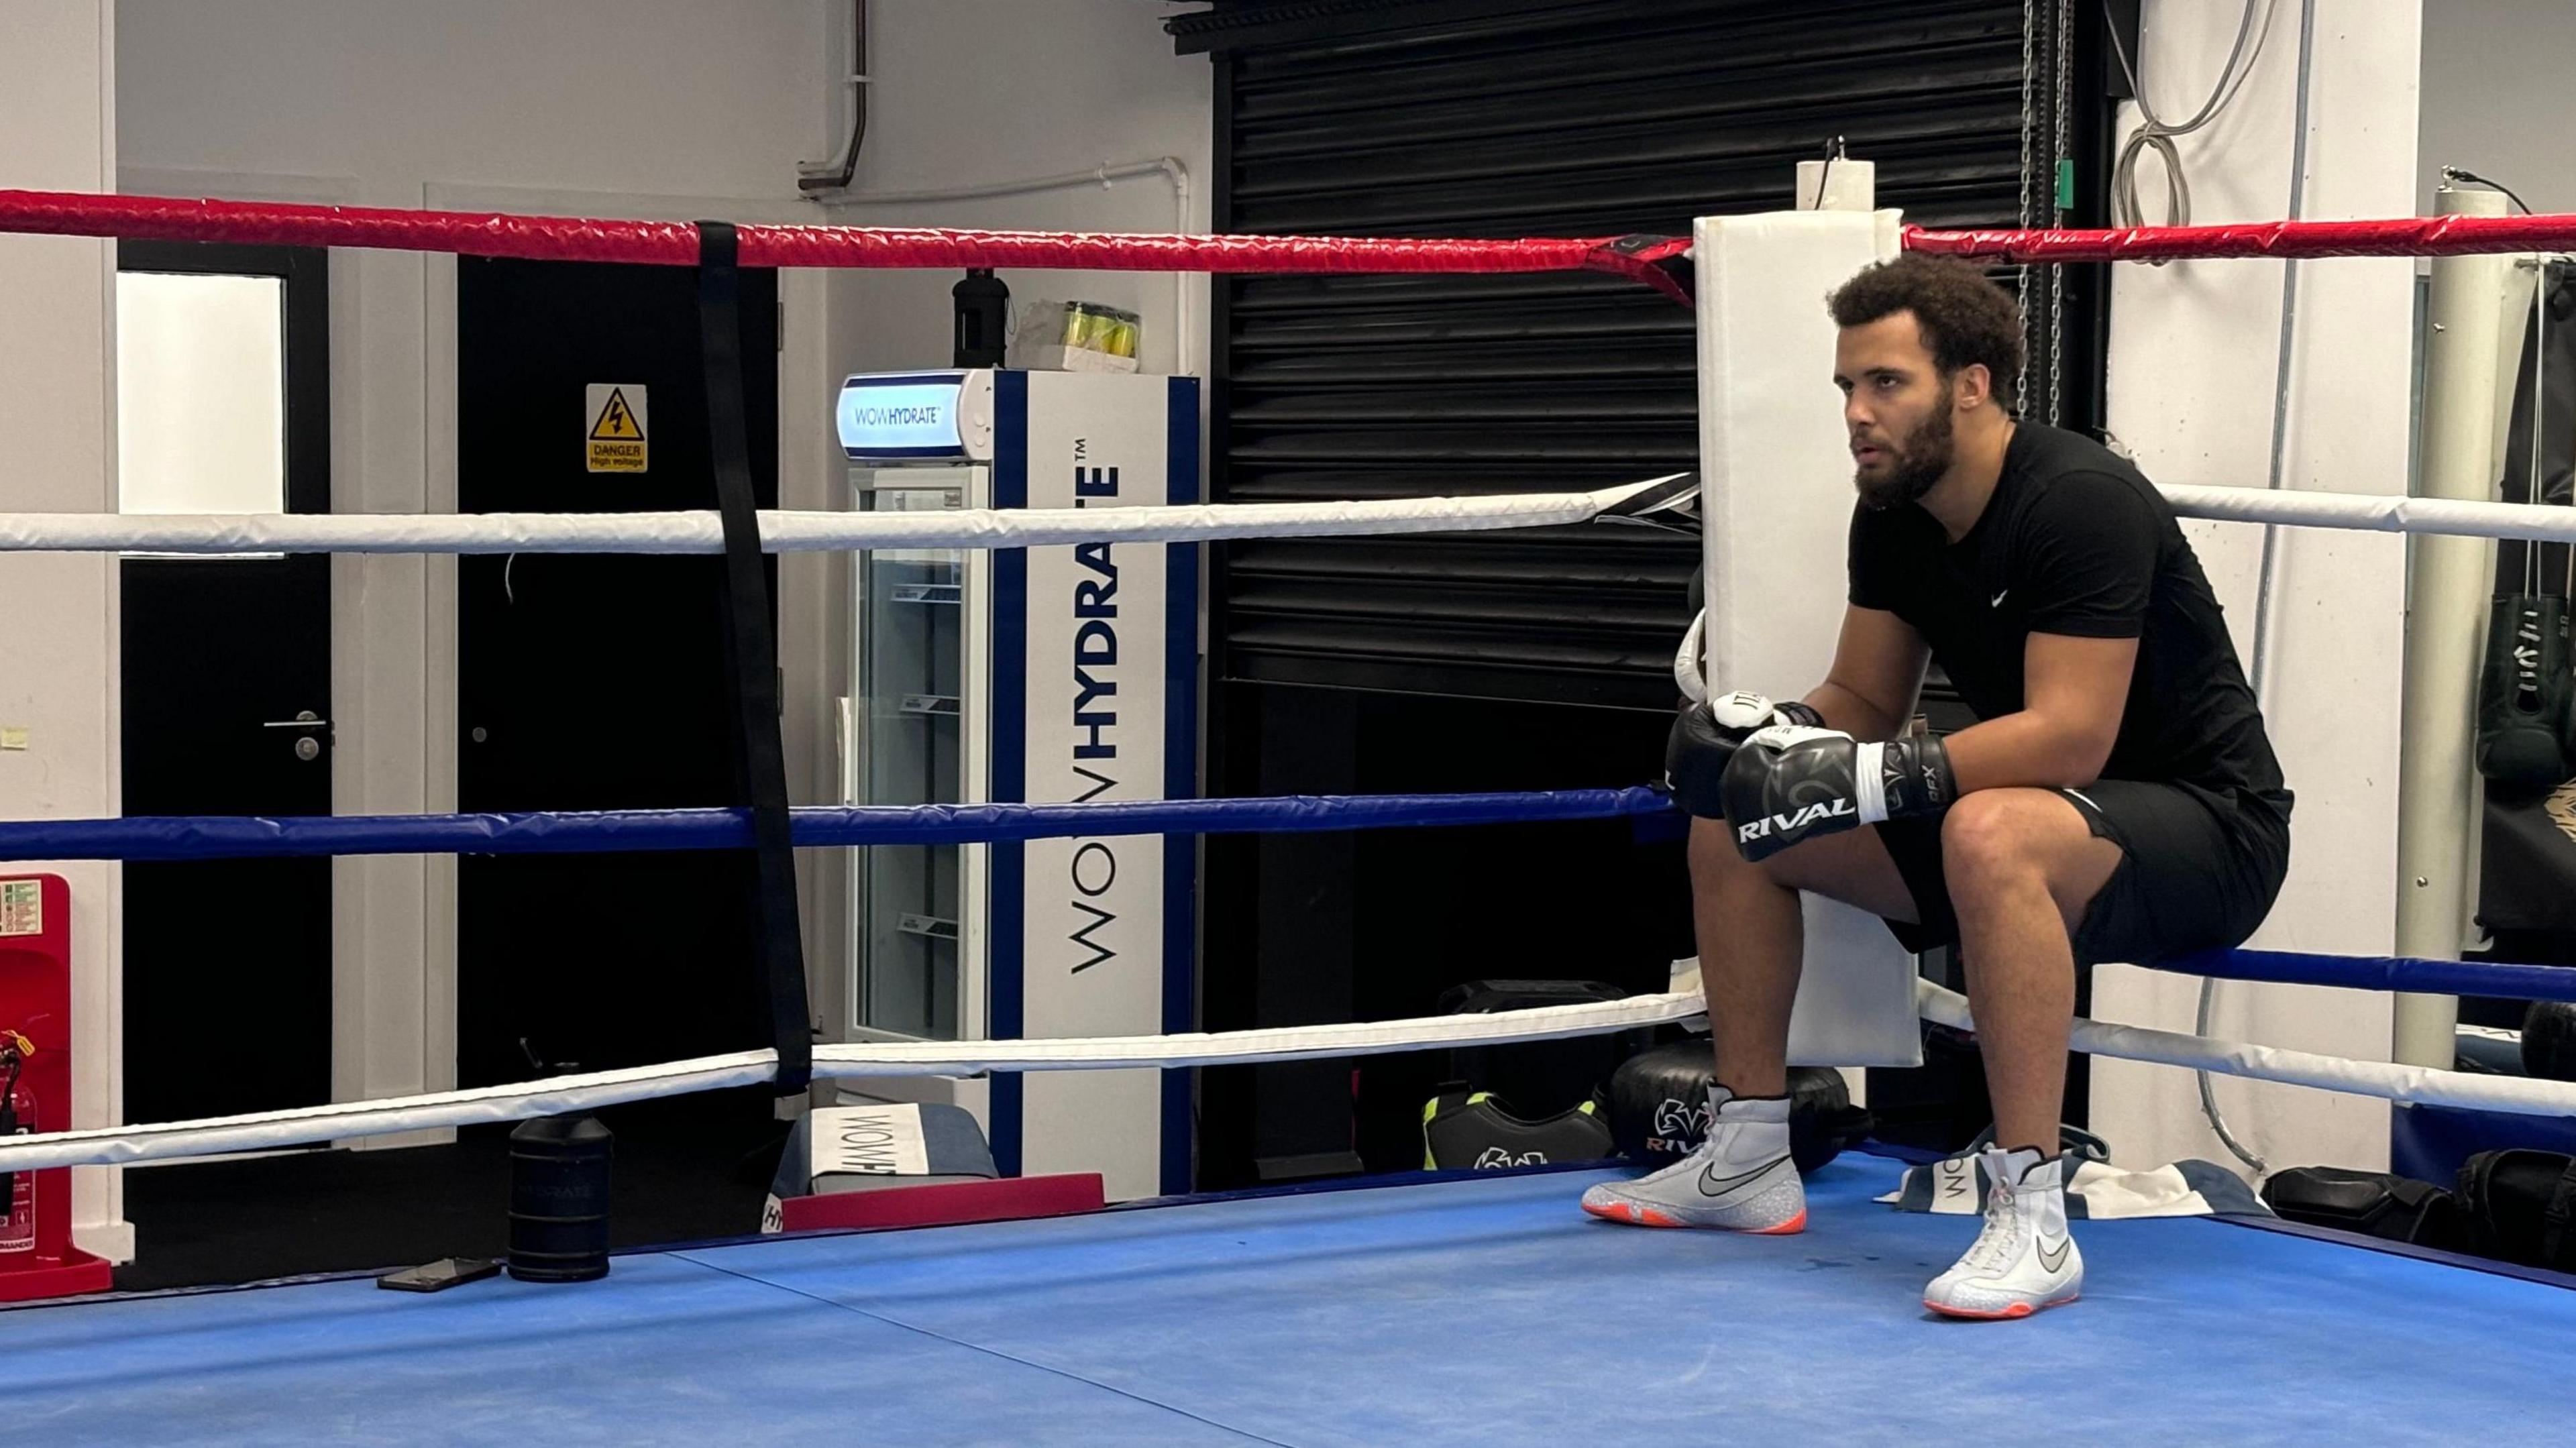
1966	319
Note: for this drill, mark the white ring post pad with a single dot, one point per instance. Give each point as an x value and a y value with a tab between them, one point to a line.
1777	500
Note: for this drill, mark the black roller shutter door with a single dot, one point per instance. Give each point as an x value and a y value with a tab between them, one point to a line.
1535	658
1572	119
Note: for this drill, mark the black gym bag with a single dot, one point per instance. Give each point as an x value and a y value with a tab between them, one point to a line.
1543	1078
2372	1203
2518	1205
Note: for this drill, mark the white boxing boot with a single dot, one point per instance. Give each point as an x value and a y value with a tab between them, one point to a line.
2024	1259
1740	1180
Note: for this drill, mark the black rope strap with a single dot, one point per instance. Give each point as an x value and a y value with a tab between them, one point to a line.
752	647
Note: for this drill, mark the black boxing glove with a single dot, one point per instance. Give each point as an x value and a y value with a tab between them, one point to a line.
1788	784
1706	736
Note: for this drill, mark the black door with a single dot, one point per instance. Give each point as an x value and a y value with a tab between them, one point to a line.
227	699
597	682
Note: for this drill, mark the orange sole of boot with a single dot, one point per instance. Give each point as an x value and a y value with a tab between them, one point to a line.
2013	1313
1649	1217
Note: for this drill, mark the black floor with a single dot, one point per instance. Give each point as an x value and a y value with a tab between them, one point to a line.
686	1169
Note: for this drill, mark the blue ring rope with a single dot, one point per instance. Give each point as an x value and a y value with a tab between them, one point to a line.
145	837
209	837
2400	973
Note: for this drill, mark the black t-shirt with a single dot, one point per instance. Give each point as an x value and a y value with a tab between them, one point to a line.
2075	541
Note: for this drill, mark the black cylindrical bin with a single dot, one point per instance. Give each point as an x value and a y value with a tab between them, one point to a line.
983	318
559	1199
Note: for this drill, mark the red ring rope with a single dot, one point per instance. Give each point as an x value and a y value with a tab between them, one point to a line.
675	243
1641	258
2404	236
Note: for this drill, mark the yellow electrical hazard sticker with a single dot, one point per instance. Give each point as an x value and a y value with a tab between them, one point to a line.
616	413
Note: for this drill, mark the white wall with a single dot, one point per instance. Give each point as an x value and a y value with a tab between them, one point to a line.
58	648
633	97
2496	84
2192	382
605	107
1006	90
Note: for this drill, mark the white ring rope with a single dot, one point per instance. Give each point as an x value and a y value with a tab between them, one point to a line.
787	531
1690	660
2408	1085
97	1146
806	532
2375	512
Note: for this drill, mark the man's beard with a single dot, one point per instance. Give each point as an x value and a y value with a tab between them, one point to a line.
1916	466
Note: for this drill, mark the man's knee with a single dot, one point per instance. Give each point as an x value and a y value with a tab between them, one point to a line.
1996	842
1852	867
1998	835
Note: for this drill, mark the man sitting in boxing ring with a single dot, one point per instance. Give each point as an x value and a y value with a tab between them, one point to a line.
2118	799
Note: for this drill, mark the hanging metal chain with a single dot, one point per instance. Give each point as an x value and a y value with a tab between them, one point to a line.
2029	103
2061	149
2029	210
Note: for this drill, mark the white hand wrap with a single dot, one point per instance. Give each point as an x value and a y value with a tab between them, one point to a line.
1869	783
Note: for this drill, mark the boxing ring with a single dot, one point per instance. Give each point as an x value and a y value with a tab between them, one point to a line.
1442	1309
1460	1312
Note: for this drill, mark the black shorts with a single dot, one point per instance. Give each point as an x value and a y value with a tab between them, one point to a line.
2198	871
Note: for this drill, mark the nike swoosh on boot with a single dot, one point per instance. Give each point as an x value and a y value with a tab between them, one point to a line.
1716	1188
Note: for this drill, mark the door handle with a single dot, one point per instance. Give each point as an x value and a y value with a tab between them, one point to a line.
310	733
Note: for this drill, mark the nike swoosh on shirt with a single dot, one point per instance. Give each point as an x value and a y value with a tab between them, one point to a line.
1998	600
2057	1262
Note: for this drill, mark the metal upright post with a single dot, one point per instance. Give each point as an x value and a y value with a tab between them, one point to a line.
2446	605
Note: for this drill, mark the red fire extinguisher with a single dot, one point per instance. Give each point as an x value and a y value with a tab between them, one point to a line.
17	1115
37	1255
